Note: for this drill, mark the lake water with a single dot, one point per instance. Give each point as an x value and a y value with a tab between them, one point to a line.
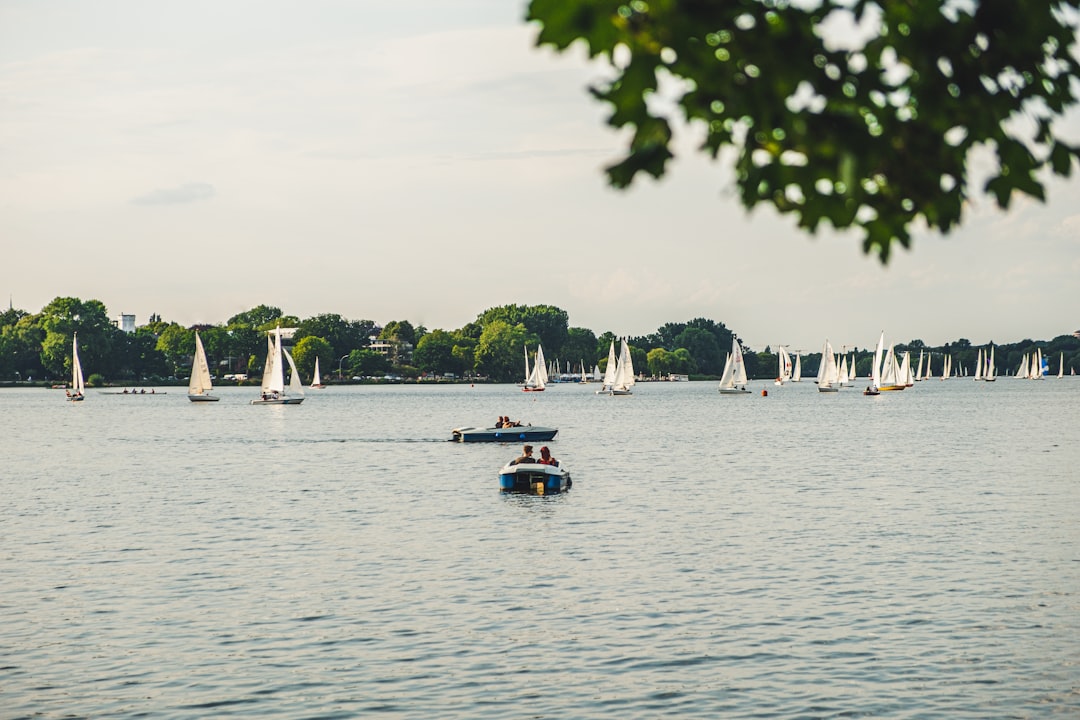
914	555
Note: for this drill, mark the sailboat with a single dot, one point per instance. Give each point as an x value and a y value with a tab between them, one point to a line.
316	380
796	375
200	385
828	372
784	362
733	381
874	388
78	385
990	374
890	378
1061	366
624	372
535	378
273	382
979	360
919	370
609	371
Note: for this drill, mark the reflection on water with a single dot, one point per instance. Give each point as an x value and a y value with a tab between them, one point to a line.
796	555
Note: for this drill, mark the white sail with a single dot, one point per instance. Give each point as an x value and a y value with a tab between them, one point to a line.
875	371
738	367
624	372
796	375
828	371
919	370
726	377
890	372
542	372
316	379
609	371
1061	365
734	378
200	383
784	365
536	378
78	385
978	365
296	388
273	380
929	369
842	371
905	371
596	374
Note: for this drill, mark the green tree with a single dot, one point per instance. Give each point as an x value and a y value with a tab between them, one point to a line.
683	362
435	353
177	343
875	134
547	322
580	346
704	348
343	335
21	336
399	331
367	362
659	362
257	317
65	316
500	351
306	350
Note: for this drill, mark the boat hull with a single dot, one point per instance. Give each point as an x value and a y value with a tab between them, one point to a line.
525	433
534	479
202	398
734	391
278	401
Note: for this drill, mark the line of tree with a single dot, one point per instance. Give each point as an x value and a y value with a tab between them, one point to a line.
38	346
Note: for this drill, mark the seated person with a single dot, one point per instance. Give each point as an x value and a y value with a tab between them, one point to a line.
526	456
545	457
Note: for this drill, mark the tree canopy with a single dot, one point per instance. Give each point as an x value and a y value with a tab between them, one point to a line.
868	127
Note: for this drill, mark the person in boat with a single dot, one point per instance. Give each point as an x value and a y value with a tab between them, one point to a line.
499	423
526	456
545	457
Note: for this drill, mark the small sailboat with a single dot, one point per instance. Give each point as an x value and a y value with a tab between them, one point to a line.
828	371
990	372
200	385
733	381
273	383
536	378
316	380
1061	366
77	392
886	370
624	372
796	375
783	360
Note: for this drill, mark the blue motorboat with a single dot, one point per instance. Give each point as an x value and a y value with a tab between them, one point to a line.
520	433
534	479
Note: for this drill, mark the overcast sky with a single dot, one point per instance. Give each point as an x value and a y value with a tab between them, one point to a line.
422	160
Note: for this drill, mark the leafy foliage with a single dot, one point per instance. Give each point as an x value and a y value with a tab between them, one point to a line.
875	135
